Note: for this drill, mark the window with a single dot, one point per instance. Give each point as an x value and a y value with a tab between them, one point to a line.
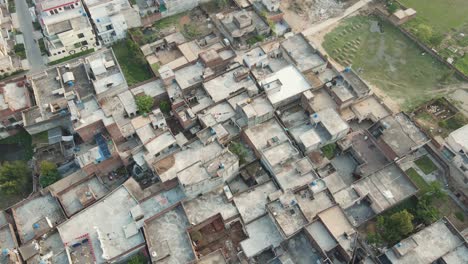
81	35
12	120
109	27
84	43
59	52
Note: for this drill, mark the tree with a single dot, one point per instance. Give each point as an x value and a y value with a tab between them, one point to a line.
221	3
165	106
13	177
392	7
424	32
49	173
144	103
239	150
395	227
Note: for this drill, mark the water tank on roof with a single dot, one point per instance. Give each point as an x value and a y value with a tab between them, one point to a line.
36	226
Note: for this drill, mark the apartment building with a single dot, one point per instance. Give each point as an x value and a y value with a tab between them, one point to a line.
66	27
112	18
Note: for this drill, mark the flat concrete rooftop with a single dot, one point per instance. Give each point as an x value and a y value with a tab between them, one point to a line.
70	199
107	234
427	245
252	203
33	211
289	219
261	133
263	234
226	85
208	205
167	236
303	54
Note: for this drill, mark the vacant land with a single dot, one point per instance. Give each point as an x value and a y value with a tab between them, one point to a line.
388	59
131	61
442	15
446	24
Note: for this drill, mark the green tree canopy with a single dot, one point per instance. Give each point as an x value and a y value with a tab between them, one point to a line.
13	177
165	106
49	173
144	103
395	227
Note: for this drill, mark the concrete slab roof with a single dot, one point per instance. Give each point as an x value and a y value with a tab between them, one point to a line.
320	234
260	134
263	234
312	205
167	237
252	203
167	168
208	205
290	219
284	84
128	102
370	108
304	55
216	257
459	255
296	172
227	84
33	211
427	245
153	88
107	235
400	133
71	198
189	76
7	239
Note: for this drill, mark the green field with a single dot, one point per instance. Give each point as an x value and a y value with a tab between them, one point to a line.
442	15
132	62
385	57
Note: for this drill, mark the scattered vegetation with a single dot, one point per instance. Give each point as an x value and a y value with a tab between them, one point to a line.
12	6
460	216
42	46
165	106
215	6
20	50
131	61
137	259
76	55
49	173
385	57
24	140
454	122
392	229
422	185
329	150
144	103
14	176
254	39
239	149
392	6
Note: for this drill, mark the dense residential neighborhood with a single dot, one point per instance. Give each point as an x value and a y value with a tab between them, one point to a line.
233	131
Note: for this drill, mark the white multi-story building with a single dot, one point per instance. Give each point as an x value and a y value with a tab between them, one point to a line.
8	63
112	18
457	142
66	27
166	7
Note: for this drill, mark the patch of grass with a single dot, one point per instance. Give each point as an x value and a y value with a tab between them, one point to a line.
155	67
418	180
435	13
20	50
76	55
425	164
460	216
454	122
254	39
169	21
24	140
462	64
329	150
36	25
12	6
388	59
42	46
132	62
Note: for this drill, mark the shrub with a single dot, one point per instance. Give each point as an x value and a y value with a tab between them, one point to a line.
144	103
49	173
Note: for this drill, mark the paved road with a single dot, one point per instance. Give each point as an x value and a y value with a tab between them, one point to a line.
36	62
327	23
